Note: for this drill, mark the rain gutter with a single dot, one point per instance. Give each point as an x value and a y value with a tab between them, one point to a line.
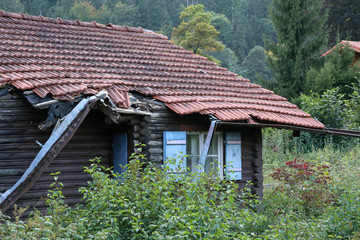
332	131
56	142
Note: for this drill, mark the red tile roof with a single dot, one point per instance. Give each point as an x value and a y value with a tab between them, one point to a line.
352	45
66	58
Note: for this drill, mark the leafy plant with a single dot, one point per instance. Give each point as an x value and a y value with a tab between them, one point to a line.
196	32
306	181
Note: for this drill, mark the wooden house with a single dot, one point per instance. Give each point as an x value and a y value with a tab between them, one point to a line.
71	91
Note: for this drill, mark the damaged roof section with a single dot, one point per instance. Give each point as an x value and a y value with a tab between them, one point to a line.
64	59
58	139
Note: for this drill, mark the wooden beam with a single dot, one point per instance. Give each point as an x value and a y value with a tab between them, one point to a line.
206	147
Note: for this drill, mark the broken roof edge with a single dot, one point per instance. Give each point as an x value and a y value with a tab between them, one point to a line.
92	24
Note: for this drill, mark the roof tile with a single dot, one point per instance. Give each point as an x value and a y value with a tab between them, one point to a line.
66	58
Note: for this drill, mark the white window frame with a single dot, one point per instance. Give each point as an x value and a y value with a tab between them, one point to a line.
220	147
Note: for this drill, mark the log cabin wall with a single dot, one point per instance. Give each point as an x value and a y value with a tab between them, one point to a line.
163	119
19	132
18	135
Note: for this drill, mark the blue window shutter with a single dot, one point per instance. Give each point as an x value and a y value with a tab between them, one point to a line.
233	155
120	151
174	146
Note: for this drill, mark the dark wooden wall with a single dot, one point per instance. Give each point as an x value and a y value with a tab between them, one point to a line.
163	119
18	133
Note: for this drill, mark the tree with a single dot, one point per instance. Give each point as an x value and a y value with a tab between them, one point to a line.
237	42
301	37
61	9
195	32
338	70
228	60
103	15
125	14
83	11
11	5
223	25
344	20
255	65
37	7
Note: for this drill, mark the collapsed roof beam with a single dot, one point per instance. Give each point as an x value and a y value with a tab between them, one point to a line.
57	141
205	150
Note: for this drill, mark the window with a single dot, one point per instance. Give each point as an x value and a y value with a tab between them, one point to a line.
191	143
119	152
194	145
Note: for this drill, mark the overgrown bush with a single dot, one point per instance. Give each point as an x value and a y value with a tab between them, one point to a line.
145	202
151	203
308	182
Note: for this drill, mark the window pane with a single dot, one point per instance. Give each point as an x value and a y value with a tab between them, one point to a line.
213	150
192	144
192	163
193	152
211	165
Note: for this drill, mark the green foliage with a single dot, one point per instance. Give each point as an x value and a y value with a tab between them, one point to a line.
61	9
308	182
11	5
255	65
327	107
125	14
284	210
345	219
144	203
334	109
227	60
37	7
83	10
343	21
301	37
152	203
338	71
196	32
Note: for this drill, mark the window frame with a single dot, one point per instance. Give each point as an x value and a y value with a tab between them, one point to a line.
220	148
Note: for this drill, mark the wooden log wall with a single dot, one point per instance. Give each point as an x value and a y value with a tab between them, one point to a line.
150	132
18	135
19	132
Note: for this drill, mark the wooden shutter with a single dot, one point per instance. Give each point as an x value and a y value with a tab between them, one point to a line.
174	146
233	155
120	152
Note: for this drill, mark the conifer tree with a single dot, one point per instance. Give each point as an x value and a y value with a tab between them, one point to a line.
301	37
196	33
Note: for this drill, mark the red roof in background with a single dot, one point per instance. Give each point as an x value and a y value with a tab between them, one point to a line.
66	58
352	45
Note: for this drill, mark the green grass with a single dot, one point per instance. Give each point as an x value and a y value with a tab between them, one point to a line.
285	212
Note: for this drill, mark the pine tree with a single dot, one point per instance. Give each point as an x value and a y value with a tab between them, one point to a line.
196	33
301	37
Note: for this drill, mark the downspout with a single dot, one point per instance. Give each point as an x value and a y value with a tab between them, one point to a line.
205	150
56	142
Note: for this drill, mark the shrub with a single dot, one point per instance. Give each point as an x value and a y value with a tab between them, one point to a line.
307	183
145	202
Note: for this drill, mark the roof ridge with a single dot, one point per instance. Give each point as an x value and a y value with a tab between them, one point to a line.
92	24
